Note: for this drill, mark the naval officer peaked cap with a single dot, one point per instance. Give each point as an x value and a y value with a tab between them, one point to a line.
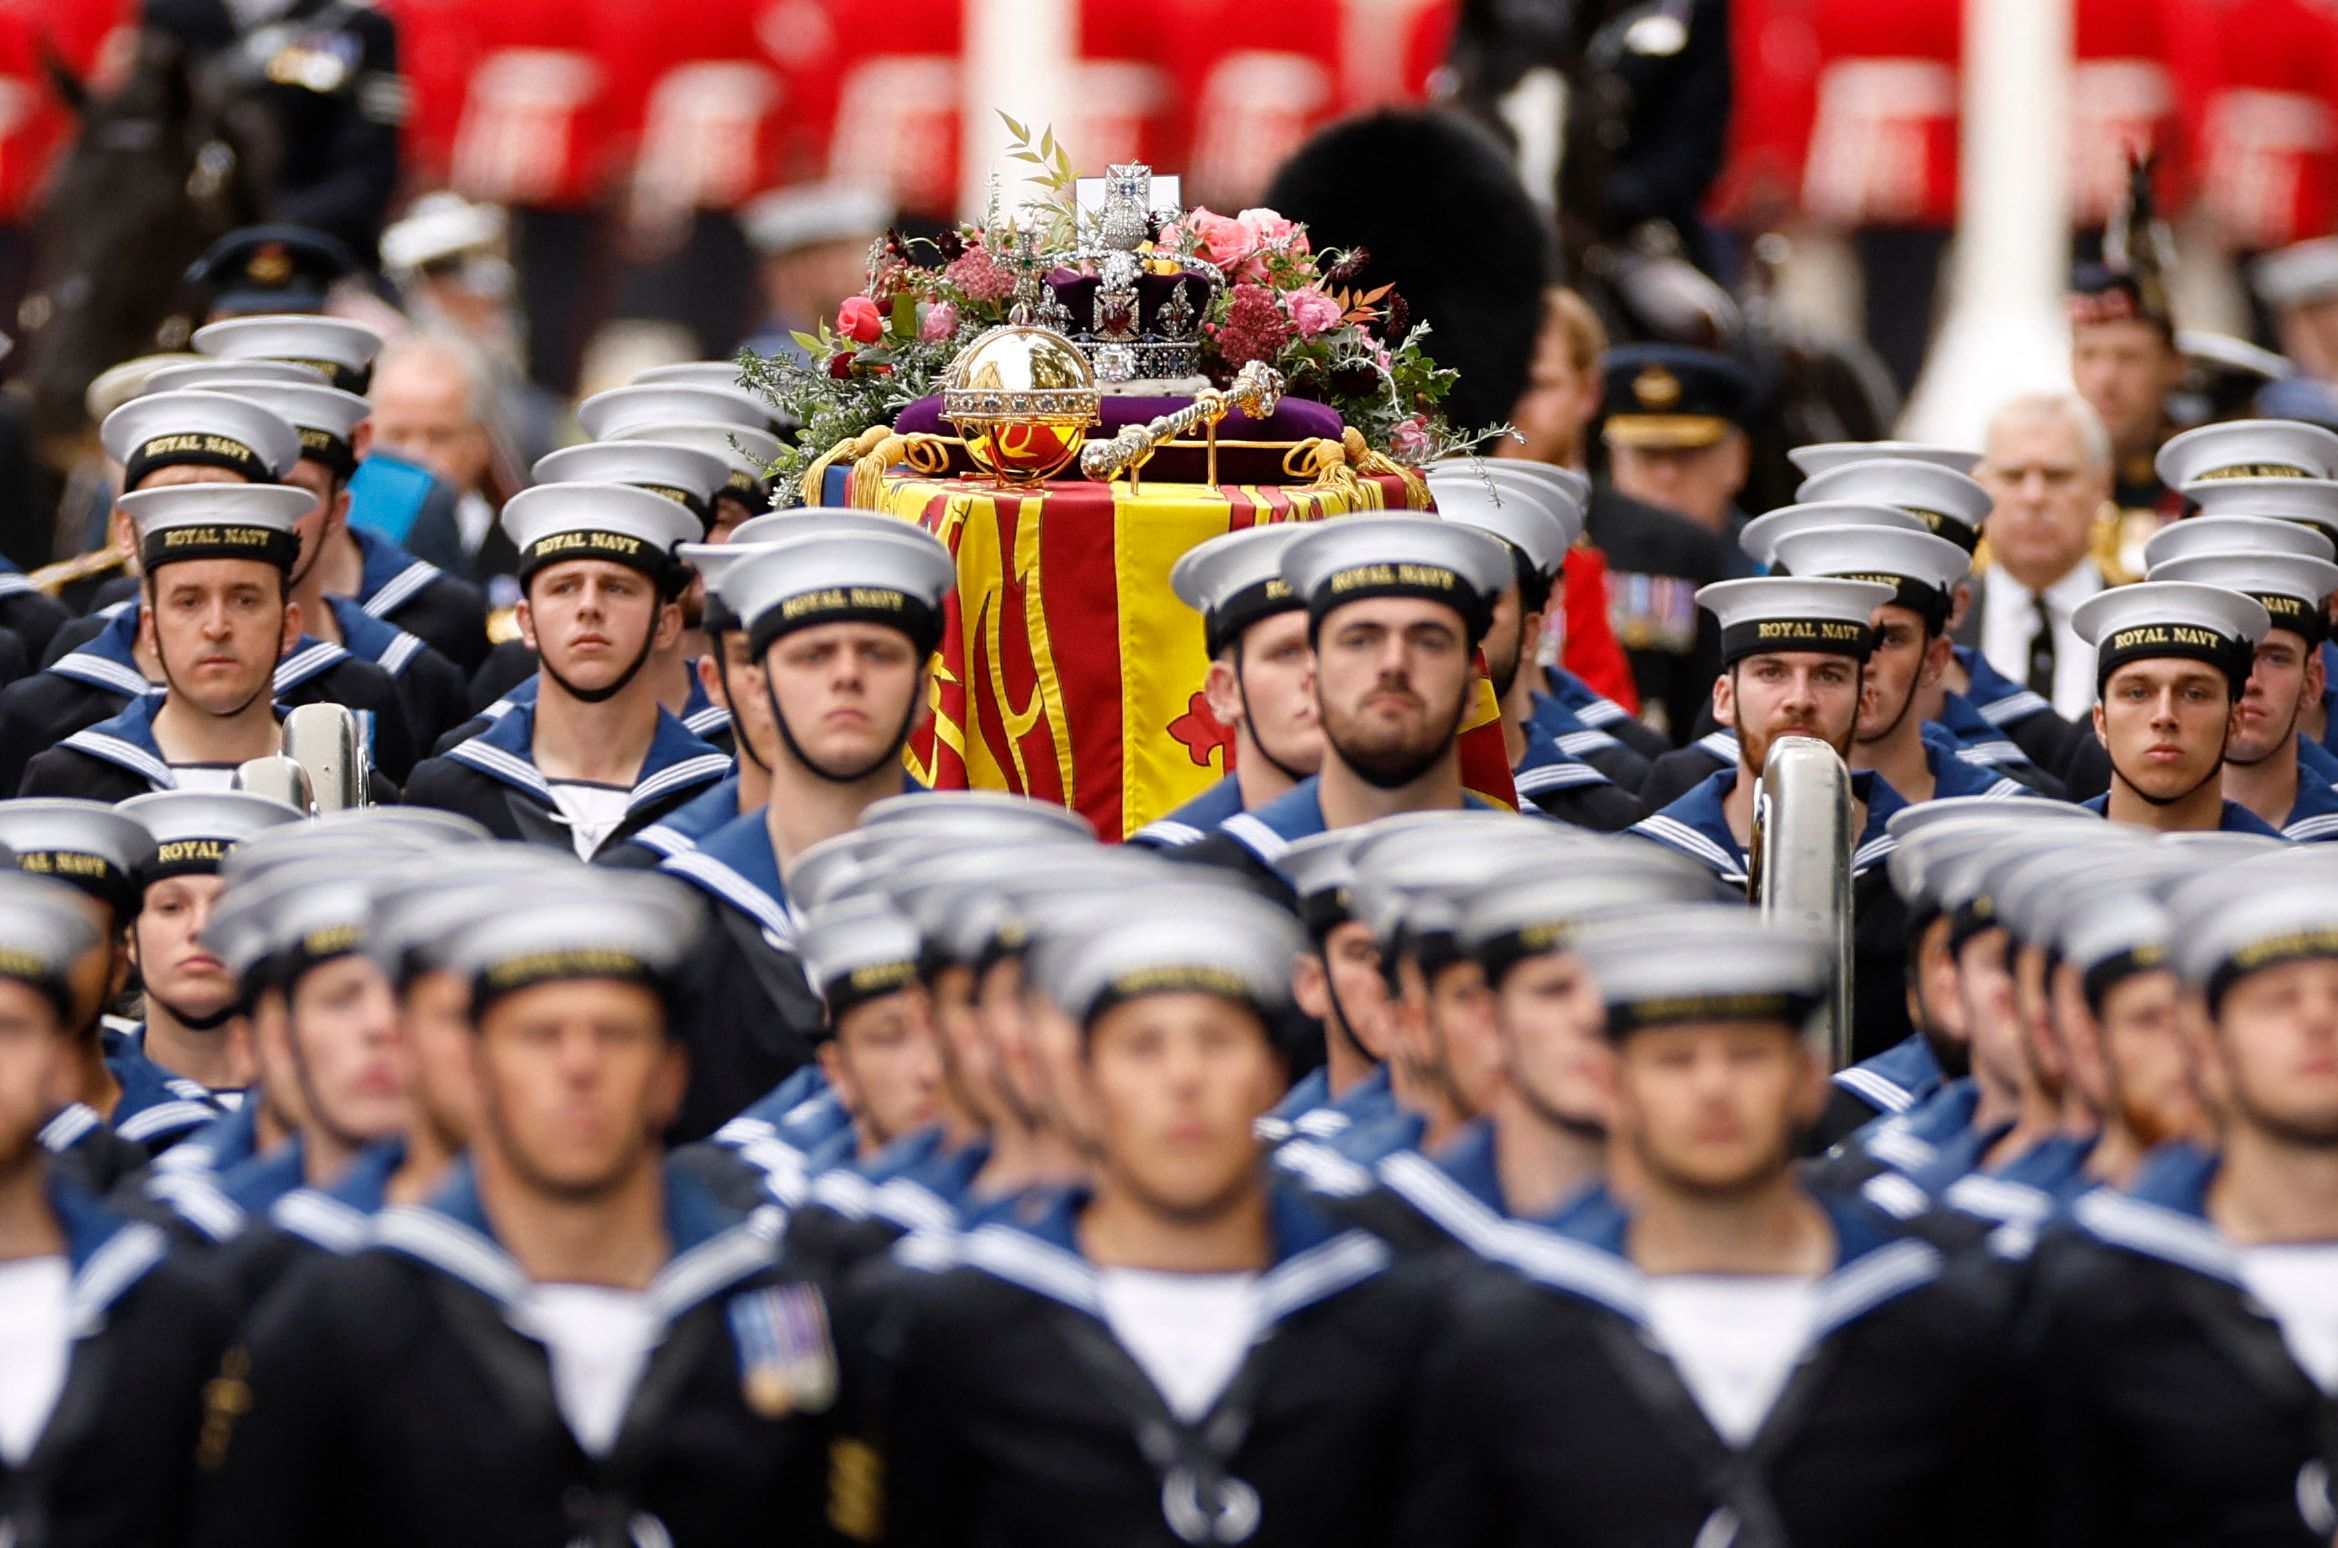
1824	456
326	417
1949	503
898	577
2248	448
1790	613
1759	540
1236	579
205	429
217	521
193	830
686	475
2157	618
1533	517
1921	569
342	349
1354	558
620	523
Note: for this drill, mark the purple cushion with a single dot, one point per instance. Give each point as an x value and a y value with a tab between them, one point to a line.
1294	419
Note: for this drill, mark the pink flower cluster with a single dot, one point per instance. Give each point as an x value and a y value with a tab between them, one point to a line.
1256	327
1238	244
1313	312
979	276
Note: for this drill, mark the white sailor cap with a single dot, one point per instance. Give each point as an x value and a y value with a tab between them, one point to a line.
118	384
1568	490
967	918
87	843
194	830
1221	940
2260	915
439	226
629	926
42	936
686	475
720	376
1922	570
1789	613
714	561
2248	448
2155	618
270	929
2306	502
747	450
423	908
342	349
858	951
1533	515
899	578
206	429
620	523
1236	579
1322	874
361	840
622	412
1359	557
2299	274
786	219
1413	874
1575	486
1504	926
326	417
209	373
2120	934
1705	962
2220	534
2290	587
217	521
979	815
1930	833
1759	539
1949	503
1826	456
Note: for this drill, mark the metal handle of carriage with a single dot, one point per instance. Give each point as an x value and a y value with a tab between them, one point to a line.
1800	865
277	777
324	739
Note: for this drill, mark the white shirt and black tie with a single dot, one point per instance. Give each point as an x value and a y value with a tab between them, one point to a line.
2053	661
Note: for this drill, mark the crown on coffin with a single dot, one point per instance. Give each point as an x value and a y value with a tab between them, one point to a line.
1135	314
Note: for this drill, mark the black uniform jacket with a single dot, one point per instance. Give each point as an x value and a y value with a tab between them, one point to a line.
1552	1415
395	1397
114	1465
118	758
2167	1407
1003	1410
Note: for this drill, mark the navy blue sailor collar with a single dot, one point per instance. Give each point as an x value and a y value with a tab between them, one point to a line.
154	1102
676	760
127	741
388	576
1460	1188
107	1254
2164	1213
737	867
679	831
700	714
1035	1246
108	658
1956	772
1196	820
2234	818
369	639
221	1204
1298	813
335	1217
1546	766
1972	732
714	1249
2313	817
1697	825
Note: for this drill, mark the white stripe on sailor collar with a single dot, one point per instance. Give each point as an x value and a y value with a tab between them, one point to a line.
86	666
107	1275
401	588
302	665
2158	1232
113	749
455	1249
711	875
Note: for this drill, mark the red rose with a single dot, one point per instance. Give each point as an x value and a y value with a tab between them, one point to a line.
840	365
859	320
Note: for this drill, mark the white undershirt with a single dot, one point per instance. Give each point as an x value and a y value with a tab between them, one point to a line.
2299	1285
599	1340
1734	1338
35	1347
593	811
1188	1331
203	776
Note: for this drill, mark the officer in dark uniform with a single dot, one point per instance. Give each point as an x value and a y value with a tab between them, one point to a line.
109	1343
1657	556
1022	1385
846	682
326	74
2179	1343
601	582
1861	1390
565	1344
275	268
190	436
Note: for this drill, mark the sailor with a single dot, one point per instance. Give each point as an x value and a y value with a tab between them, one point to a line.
100	853
1396	606
841	619
596	757
566	1342
1179	1352
1743	1359
171	439
281	268
2124	357
108	1343
1337	981
1675	433
1539	522
724	421
443	610
1794	654
2172	659
1254	628
194	1034
2115	939
2182	1346
2286	567
329	569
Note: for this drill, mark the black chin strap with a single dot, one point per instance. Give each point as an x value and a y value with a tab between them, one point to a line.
1250	719
1339	1011
1384	779
722	675
2215	771
603	695
192	1022
267	685
891	754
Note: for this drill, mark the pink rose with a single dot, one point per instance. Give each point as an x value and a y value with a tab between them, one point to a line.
1225	241
1409	440
941	321
1272	230
1313	311
859	320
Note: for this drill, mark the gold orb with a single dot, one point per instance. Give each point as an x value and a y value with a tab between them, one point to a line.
1023	398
